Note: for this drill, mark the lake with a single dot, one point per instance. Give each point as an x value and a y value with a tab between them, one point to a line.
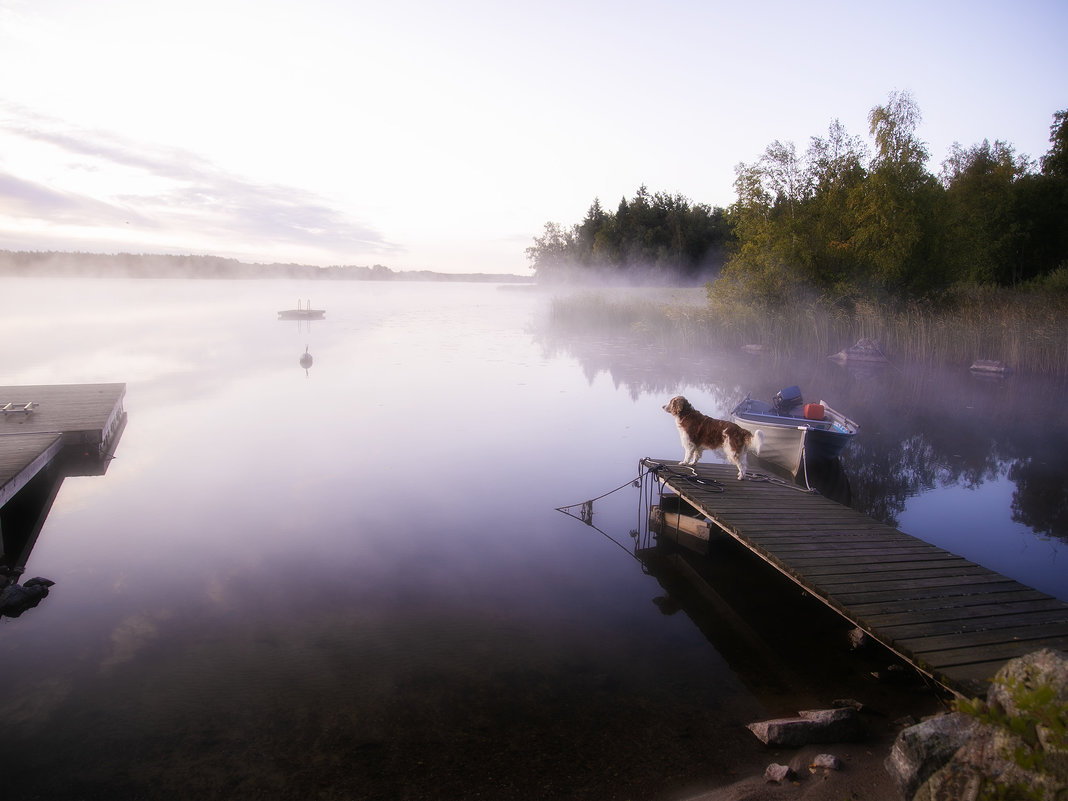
351	579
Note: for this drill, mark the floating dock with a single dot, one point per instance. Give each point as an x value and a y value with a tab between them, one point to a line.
302	312
954	620
38	423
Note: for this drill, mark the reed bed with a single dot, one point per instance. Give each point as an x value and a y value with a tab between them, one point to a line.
1025	329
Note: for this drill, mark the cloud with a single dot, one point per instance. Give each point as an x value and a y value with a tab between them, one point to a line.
22	198
98	179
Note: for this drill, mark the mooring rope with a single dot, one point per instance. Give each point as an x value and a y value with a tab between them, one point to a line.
649	476
586	513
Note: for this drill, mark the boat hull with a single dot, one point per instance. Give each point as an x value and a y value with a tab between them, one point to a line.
783	445
789	440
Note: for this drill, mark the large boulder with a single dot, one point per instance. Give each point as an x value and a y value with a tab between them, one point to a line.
1012	745
921	750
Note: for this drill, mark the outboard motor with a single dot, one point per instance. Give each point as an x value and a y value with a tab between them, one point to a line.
788	402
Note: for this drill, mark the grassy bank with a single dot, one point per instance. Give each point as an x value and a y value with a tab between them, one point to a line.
1027	328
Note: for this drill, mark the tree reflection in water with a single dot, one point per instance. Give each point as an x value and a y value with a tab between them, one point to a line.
920	429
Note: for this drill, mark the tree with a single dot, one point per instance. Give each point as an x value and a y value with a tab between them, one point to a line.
837	172
586	234
1041	202
897	209
981	232
659	236
1055	162
762	265
788	211
551	253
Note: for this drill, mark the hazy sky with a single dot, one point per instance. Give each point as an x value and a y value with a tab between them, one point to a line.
443	135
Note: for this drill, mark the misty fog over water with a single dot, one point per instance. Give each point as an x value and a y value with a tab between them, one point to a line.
350	580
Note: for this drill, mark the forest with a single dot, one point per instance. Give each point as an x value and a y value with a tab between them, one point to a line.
844	219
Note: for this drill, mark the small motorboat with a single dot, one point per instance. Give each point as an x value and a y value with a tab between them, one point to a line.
795	431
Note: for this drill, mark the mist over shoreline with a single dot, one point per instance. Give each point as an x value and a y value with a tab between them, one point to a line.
55	264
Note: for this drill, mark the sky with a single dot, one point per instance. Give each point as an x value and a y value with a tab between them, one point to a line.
443	136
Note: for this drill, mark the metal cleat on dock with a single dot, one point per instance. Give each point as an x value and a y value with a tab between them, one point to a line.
19	408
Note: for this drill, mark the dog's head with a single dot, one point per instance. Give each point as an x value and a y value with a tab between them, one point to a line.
678	406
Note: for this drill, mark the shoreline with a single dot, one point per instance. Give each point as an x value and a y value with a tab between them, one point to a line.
862	776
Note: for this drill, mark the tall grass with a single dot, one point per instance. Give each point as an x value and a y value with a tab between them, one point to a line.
1027	329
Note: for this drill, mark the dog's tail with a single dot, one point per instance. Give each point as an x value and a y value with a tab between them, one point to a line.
758	441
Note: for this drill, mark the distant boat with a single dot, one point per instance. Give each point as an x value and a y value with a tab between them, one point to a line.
794	430
302	313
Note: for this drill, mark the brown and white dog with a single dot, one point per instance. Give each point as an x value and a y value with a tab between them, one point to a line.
699	432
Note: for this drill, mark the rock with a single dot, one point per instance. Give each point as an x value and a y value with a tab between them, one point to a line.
984	763
825	762
921	750
811	726
894	674
1001	749
858	638
990	367
777	773
865	350
17	598
1045	667
839	703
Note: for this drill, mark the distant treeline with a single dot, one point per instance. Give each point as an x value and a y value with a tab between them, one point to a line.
131	265
841	222
660	238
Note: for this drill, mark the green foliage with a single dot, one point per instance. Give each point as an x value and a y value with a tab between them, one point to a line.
837	224
1055	163
1055	283
1039	722
661	237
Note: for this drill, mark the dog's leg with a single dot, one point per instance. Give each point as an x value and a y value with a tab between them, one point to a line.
735	458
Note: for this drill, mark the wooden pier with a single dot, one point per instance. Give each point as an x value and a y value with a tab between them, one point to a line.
37	423
954	620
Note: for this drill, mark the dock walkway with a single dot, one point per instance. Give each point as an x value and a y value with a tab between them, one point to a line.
956	621
39	422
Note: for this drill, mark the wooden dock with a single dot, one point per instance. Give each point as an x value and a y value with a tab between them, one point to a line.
37	423
954	620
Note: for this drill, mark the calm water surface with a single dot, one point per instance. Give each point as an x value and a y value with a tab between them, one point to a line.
350	580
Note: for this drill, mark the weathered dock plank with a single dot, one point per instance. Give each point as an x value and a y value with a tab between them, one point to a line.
956	621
